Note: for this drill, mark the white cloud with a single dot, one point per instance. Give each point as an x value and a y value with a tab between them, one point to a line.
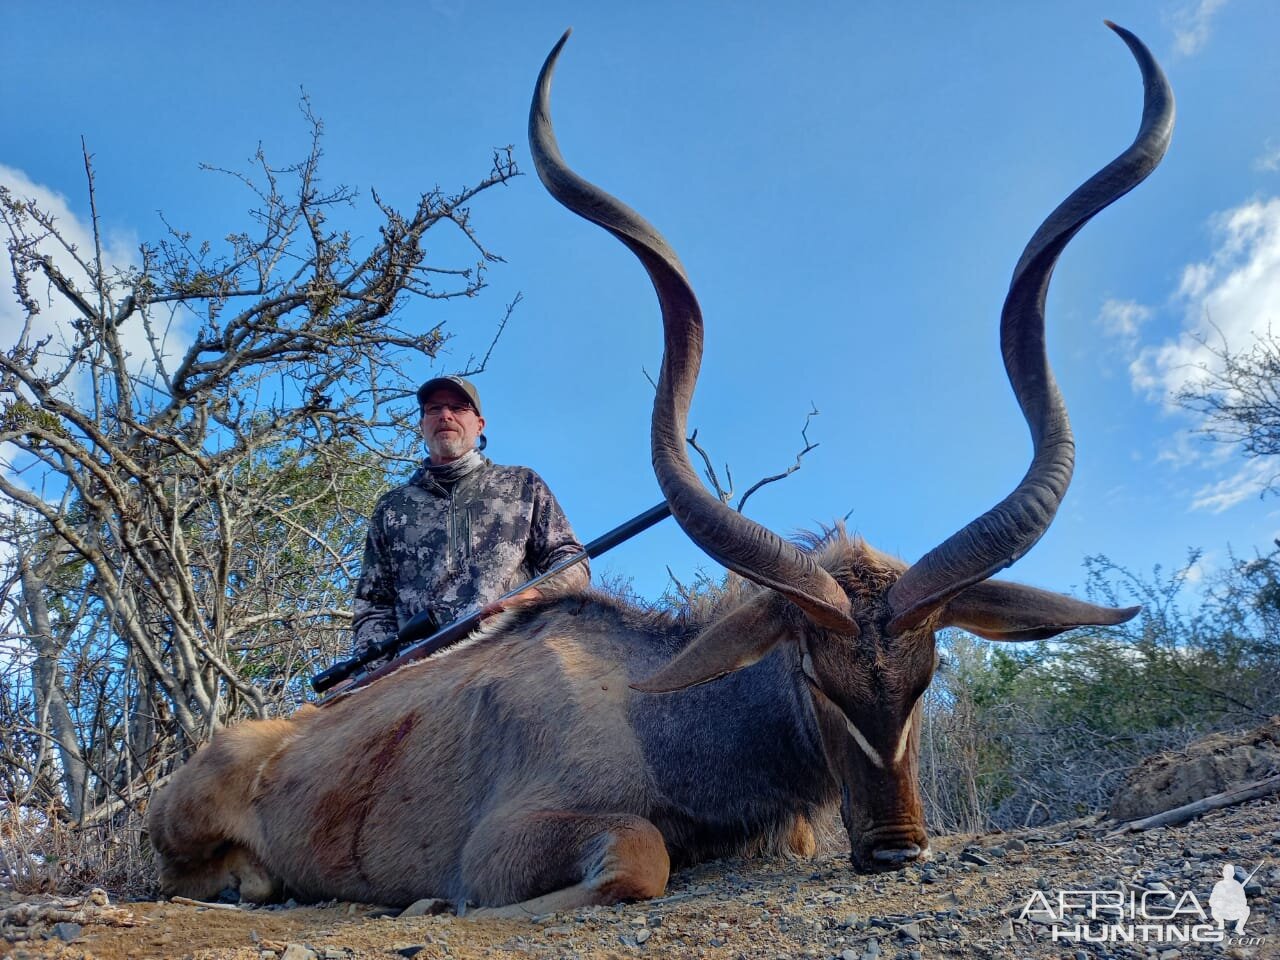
1270	158
1246	483
1184	449
1123	319
1227	301
1191	25
1232	298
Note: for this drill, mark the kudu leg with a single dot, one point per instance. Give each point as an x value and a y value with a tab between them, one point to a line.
552	860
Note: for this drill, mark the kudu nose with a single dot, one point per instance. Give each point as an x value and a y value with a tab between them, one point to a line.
897	857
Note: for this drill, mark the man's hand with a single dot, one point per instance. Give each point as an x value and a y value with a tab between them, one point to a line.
522	599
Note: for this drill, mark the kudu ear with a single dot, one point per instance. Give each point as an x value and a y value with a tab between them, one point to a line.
733	642
999	610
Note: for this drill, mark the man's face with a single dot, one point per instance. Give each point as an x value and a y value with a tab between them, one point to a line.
449	424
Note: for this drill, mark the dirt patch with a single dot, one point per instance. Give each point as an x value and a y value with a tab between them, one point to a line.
965	903
1207	766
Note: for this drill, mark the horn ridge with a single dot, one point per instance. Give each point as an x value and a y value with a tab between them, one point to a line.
1008	530
728	537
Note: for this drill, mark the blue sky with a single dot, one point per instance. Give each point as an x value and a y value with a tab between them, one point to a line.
848	184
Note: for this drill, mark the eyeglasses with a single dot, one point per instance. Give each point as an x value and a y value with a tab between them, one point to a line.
434	410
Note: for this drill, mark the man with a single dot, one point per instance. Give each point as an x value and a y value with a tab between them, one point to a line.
462	532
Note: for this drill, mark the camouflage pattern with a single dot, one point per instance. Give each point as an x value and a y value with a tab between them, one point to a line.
454	550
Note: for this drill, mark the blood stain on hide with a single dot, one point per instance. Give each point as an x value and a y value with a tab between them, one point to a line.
342	811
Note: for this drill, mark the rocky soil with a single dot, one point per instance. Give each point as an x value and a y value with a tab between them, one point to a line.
966	903
992	896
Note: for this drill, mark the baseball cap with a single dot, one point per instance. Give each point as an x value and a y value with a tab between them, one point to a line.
462	386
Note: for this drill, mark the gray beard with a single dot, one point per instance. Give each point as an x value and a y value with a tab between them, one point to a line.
448	448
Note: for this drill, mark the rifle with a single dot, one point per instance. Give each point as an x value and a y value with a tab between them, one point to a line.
423	624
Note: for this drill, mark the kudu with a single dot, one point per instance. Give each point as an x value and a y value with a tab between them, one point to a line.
570	753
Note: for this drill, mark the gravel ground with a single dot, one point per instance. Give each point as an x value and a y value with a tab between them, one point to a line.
967	902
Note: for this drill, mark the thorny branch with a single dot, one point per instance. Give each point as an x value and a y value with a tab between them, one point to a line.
808	445
726	493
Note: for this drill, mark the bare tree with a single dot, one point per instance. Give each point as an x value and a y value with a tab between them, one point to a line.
36	564
187	448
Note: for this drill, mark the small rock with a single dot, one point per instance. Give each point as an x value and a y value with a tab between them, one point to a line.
849	922
873	949
1006	930
996	852
333	953
413	951
296	951
1170	954
66	931
849	955
910	931
717	942
429	907
1081	955
643	935
1014	845
976	859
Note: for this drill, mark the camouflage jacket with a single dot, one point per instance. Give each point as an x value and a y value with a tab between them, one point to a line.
452	550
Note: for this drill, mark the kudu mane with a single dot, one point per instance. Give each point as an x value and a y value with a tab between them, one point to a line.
848	558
